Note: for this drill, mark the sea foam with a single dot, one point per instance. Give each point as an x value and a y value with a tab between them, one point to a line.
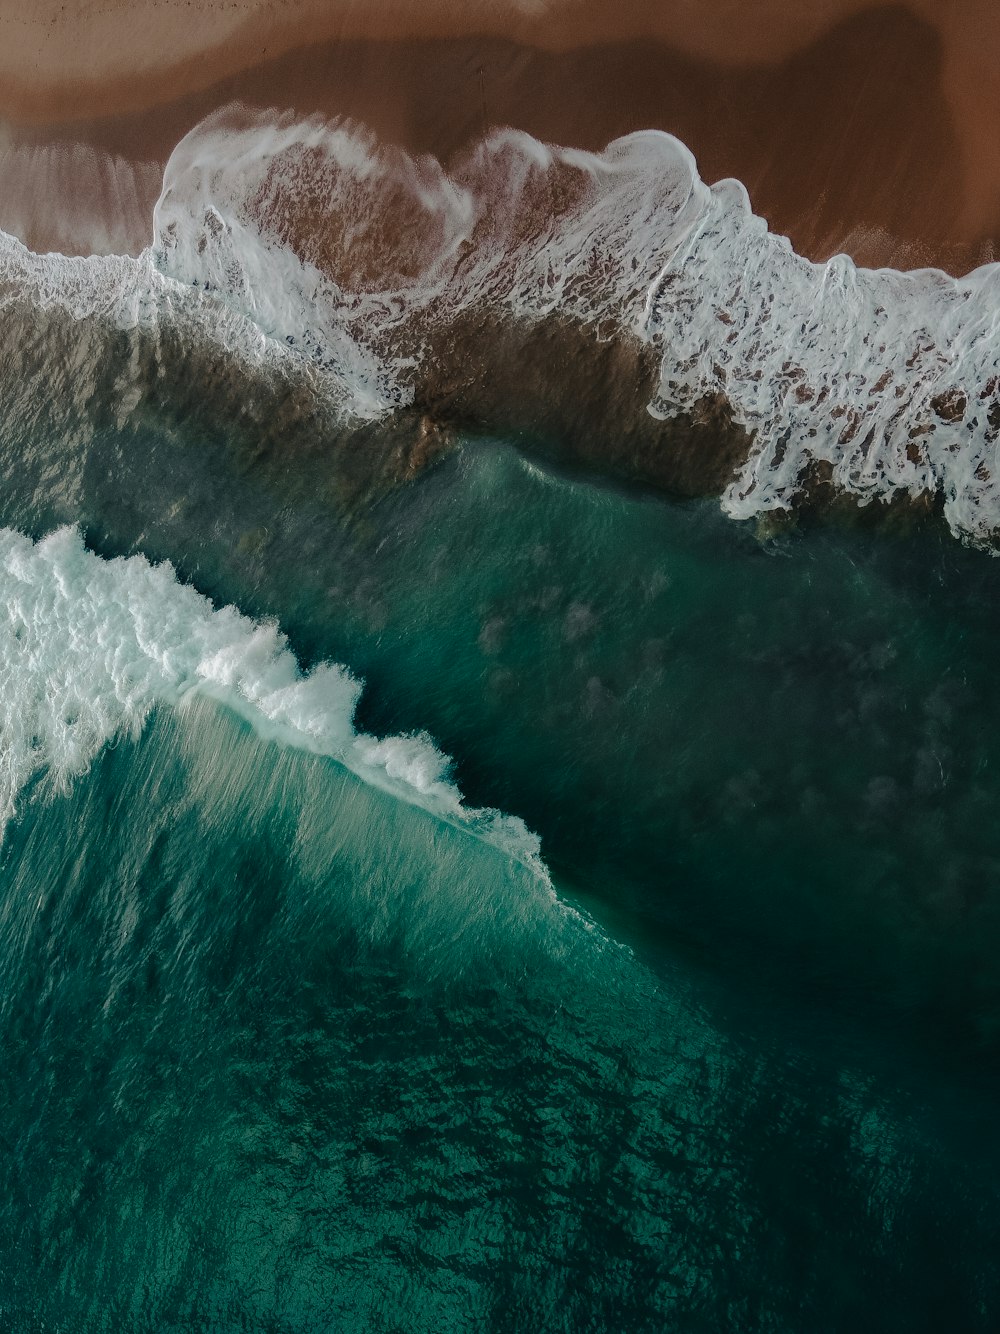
310	244
88	647
892	379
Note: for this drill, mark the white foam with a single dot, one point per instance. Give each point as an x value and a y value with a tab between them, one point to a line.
216	185
333	243
310	244
89	646
819	361
124	293
837	363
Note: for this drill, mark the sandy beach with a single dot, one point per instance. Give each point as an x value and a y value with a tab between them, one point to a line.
862	129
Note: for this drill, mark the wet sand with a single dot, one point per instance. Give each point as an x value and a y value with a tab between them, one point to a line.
849	125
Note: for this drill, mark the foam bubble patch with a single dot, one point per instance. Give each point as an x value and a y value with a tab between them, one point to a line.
332	241
88	647
307	245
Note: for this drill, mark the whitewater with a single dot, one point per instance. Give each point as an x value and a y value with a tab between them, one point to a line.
269	240
88	647
296	1036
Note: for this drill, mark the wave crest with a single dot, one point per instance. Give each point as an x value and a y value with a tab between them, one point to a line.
89	646
397	282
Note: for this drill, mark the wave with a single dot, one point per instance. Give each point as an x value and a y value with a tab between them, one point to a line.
88	647
309	244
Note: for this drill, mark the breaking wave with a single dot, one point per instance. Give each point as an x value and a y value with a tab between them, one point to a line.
88	647
309	243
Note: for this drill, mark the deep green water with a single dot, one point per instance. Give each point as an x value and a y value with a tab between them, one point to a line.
268	1066
284	1053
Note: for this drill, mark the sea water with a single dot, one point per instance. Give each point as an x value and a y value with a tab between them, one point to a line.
290	1042
494	901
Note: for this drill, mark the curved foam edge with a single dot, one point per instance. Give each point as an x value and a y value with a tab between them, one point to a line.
88	647
308	241
892	379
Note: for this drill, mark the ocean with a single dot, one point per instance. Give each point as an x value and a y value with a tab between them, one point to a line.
448	883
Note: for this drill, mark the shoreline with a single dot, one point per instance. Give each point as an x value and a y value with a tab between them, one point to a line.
845	142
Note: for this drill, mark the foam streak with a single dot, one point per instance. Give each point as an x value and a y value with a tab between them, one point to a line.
89	646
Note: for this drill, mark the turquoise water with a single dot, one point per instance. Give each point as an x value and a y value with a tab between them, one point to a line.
443	893
271	1065
283	1051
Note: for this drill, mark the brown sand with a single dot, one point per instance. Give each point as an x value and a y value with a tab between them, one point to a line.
866	129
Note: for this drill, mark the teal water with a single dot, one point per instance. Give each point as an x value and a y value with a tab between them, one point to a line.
284	1052
268	1066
